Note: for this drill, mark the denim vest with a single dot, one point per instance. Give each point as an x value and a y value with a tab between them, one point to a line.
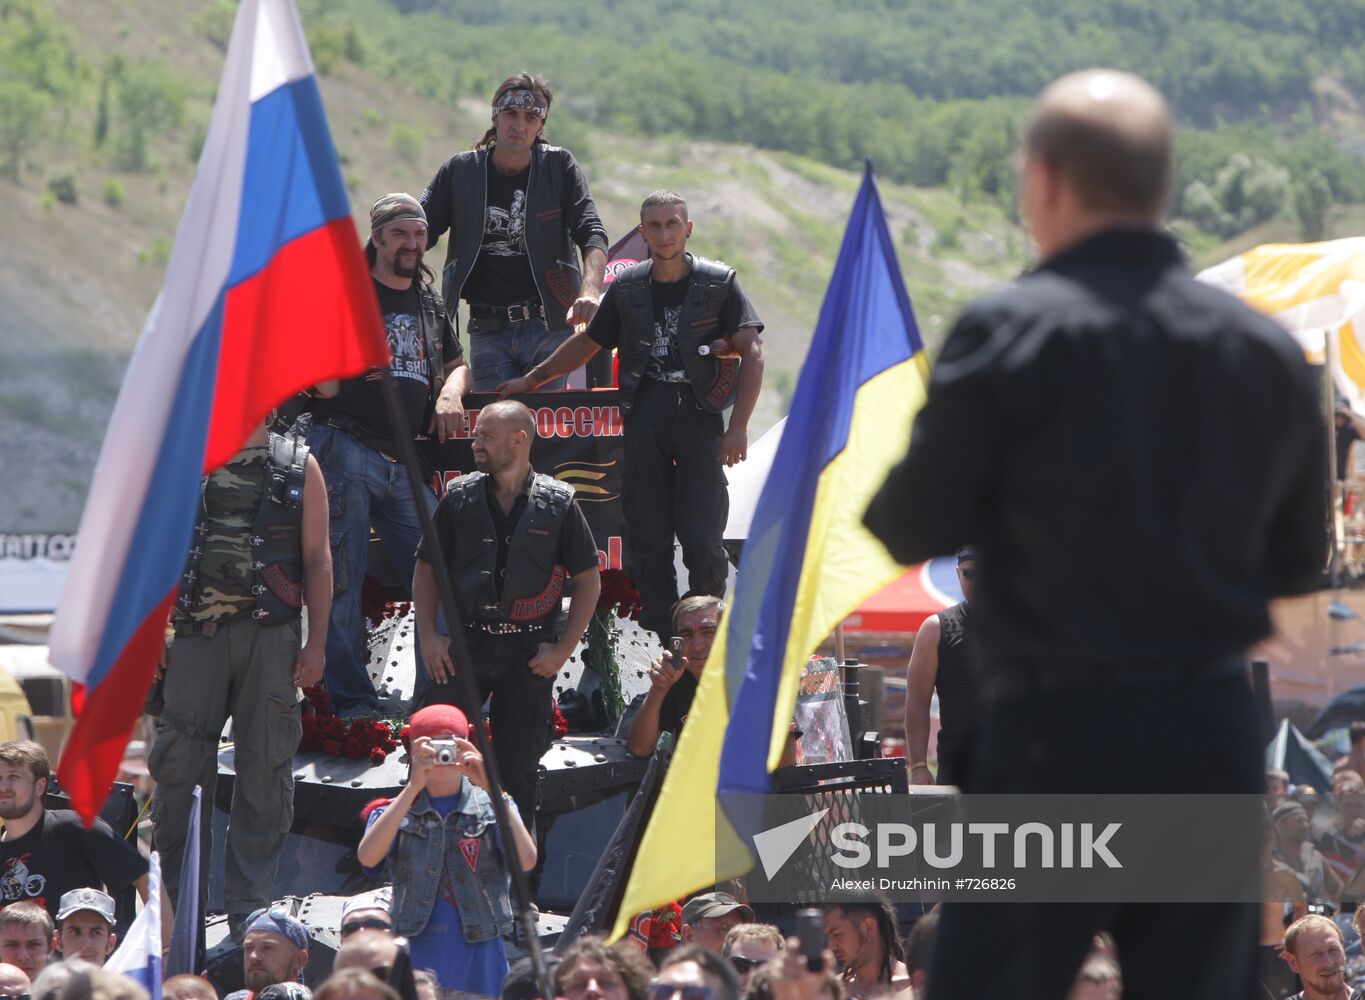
464	844
549	240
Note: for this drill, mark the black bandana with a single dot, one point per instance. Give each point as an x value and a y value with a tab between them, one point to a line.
528	99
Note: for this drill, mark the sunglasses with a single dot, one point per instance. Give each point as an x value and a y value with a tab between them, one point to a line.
663	991
275	913
368	924
743	965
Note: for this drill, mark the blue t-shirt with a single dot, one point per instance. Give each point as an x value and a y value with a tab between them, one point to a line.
441	947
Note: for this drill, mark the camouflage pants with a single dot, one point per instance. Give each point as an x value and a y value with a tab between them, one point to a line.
244	671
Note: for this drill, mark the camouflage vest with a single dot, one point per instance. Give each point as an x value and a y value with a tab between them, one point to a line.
534	583
714	380
235	566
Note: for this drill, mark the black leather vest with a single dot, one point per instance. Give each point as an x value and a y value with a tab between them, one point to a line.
549	242
714	380
534	583
956	683
430	317
276	538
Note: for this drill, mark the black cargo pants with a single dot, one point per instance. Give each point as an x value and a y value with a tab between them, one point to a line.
674	485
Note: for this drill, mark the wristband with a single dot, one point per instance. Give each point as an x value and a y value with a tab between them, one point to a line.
918	764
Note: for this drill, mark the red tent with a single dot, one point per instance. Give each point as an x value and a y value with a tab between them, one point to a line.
903	604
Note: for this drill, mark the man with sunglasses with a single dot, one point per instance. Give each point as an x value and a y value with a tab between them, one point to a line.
519	215
695	972
368	911
748	946
941	660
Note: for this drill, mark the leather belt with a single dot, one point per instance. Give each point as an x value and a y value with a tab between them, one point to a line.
504	316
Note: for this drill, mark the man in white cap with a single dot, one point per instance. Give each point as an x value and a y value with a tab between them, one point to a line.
368	911
85	926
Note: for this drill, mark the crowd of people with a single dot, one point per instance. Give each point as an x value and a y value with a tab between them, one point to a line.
1056	454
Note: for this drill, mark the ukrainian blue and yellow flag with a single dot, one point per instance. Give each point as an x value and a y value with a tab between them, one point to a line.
807	564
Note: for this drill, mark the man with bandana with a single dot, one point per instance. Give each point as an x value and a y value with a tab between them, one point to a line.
357	445
519	213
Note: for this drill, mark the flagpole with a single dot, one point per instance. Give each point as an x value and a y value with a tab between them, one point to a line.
459	656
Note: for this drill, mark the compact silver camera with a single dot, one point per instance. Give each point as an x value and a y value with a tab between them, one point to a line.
446	752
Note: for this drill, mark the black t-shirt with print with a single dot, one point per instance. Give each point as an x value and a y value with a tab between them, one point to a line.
502	273
360	401
59	854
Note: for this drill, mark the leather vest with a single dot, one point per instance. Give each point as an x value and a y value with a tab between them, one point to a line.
958	696
275	540
462	844
430	317
534	583
550	249
714	380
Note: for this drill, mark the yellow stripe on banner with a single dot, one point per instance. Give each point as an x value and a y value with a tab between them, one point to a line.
1352	356
1280	277
845	564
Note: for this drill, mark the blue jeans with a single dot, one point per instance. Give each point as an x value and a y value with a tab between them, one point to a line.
363	488
499	356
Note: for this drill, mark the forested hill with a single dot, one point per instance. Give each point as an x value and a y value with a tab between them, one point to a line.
935	93
1215	59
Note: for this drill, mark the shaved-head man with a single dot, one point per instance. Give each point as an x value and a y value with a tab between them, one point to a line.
1137	458
511	539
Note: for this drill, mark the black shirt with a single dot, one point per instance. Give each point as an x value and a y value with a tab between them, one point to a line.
59	855
677	704
1136	455
665	363
360	400
502	271
1345	436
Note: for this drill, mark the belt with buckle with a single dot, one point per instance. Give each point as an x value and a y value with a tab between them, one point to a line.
493	318
185	629
505	628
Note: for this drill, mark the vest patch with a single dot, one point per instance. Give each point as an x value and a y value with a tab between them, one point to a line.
281	586
529	609
469	850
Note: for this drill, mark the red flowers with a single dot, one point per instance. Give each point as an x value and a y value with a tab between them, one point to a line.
619	595
362	738
374	739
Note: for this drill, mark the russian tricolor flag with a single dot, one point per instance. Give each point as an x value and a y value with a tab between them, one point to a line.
267	293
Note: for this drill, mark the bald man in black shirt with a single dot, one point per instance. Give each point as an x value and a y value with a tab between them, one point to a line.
1137	457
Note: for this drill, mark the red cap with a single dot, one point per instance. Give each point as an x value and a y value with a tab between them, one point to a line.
437	720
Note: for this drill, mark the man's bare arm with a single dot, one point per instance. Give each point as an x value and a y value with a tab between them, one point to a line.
734	446
572	354
920	676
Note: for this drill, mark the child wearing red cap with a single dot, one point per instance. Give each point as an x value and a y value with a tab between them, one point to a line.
441	842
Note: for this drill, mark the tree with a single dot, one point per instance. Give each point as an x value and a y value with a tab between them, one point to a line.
1312	201
23	120
150	100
